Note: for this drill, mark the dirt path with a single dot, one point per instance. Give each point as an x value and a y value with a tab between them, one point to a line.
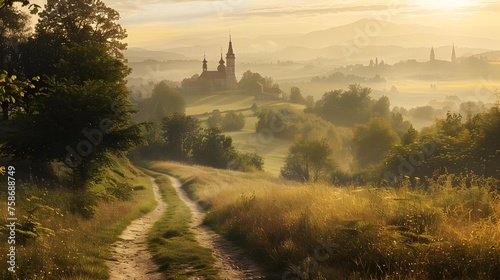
231	261
133	260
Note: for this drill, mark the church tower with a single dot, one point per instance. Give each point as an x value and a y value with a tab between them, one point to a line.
205	67
433	56
453	55
230	68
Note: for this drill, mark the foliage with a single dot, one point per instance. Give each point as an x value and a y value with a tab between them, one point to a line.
213	149
164	100
12	89
76	124
230	122
247	162
447	230
252	82
180	133
33	8
350	107
373	140
455	148
306	160
296	96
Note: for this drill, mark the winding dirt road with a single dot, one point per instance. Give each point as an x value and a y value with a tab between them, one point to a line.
132	260
231	261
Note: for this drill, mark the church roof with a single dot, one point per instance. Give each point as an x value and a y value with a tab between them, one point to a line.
211	75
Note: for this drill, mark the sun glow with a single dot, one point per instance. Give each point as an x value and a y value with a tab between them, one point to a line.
447	5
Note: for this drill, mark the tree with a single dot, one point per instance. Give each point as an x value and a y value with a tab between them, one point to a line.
214	149
180	133
233	121
373	140
13	86
164	100
410	136
81	22
81	125
250	80
296	96
306	160
8	3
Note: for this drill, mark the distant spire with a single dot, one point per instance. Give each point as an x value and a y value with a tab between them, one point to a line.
205	67
221	61
230	52
453	55
433	56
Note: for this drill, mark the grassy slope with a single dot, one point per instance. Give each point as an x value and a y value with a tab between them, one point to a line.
77	247
173	246
346	233
272	149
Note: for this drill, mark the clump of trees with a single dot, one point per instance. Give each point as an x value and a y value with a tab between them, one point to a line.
455	146
351	106
230	122
308	160
185	140
78	113
164	100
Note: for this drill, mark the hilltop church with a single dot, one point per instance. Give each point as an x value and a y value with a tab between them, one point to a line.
224	77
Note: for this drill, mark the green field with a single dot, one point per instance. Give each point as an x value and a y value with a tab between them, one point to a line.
272	149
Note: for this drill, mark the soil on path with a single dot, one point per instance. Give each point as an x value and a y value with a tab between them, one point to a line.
231	261
132	260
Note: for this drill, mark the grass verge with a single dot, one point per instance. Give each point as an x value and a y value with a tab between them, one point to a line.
172	244
69	246
448	230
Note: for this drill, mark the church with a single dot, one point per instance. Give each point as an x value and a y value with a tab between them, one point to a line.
224	78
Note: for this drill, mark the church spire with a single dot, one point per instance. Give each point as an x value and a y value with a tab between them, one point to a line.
205	66
221	61
230	53
433	56
453	55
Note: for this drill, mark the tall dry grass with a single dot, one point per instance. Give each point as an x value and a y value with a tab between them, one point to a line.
68	245
447	229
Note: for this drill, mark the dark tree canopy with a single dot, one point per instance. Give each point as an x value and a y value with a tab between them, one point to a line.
307	160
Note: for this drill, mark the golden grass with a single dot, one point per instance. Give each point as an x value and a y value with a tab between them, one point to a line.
445	231
77	247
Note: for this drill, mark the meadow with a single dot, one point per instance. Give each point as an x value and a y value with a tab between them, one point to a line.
447	228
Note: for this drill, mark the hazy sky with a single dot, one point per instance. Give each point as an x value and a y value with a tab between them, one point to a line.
150	23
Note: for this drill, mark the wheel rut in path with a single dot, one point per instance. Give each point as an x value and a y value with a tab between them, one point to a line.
231	261
133	259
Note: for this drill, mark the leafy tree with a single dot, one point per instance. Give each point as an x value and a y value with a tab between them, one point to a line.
8	3
452	126
306	160
249	80
79	124
247	162
296	96
164	101
80	22
233	121
14	30
373	140
180	133
346	108
214	149
410	136
215	120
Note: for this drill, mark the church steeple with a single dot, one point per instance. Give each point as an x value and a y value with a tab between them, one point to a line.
433	56
205	67
453	55
231	66
221	66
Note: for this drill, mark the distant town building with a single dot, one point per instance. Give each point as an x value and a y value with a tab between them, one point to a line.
225	76
433	55
453	55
